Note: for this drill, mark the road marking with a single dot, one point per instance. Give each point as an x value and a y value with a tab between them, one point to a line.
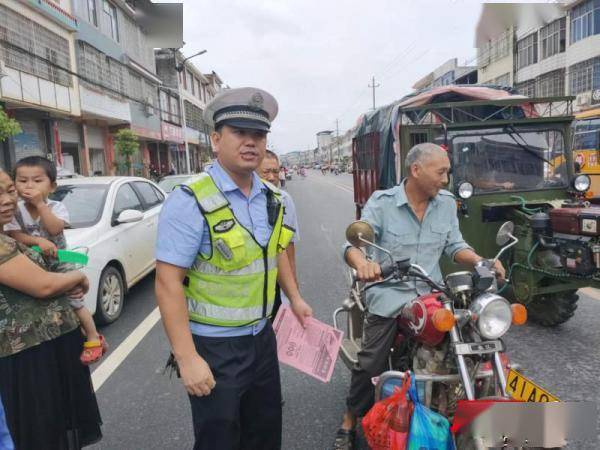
339	185
114	360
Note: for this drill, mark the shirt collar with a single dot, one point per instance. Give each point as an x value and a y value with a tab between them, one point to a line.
226	184
402	199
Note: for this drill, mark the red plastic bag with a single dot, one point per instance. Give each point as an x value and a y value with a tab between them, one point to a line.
387	423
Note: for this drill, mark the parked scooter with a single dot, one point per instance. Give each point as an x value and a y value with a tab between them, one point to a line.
451	339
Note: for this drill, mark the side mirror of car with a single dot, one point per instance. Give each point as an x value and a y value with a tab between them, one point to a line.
129	216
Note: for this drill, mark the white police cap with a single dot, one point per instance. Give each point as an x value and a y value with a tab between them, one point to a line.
245	107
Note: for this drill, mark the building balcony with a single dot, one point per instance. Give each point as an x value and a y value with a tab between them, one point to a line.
54	12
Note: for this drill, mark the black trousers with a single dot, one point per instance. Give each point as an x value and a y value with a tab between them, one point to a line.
377	340
243	411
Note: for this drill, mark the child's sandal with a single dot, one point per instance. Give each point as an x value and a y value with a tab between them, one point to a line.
93	351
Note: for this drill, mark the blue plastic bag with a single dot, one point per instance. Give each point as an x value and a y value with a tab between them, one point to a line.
428	430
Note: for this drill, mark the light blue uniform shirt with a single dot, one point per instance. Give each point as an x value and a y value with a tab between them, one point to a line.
183	232
398	230
289	214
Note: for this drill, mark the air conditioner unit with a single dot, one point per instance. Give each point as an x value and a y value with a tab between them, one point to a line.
583	99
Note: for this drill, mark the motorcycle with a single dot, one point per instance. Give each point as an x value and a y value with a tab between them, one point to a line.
451	339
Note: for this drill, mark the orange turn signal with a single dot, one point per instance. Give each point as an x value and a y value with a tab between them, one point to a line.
443	320
589	194
519	314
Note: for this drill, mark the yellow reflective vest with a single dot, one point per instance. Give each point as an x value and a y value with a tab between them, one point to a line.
235	284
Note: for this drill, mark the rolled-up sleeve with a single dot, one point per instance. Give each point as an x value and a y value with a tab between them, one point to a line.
180	230
371	214
455	242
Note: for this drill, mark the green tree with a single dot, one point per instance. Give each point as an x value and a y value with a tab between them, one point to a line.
126	145
8	127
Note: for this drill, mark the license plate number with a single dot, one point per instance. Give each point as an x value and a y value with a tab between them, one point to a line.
478	348
523	389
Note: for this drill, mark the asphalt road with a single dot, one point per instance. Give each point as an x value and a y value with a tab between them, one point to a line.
143	408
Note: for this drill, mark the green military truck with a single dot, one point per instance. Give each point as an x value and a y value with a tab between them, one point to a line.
511	161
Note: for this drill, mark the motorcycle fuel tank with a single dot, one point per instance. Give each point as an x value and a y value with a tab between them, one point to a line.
416	320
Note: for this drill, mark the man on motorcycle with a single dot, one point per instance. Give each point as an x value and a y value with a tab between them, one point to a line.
415	219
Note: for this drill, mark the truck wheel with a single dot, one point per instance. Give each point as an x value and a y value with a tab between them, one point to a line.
550	310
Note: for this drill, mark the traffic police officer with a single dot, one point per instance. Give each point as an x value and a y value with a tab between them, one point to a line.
219	254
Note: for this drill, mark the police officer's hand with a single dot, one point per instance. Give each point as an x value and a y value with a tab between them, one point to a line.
368	271
196	376
301	310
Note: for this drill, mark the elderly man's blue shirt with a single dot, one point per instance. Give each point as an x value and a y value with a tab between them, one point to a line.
398	229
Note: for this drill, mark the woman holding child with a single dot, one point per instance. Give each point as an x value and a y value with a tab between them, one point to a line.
45	389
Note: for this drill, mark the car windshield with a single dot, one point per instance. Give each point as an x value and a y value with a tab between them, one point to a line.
168	184
84	202
509	159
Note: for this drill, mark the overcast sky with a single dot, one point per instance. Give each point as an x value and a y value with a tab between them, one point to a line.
317	57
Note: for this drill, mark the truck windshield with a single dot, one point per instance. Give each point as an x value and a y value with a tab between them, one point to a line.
512	159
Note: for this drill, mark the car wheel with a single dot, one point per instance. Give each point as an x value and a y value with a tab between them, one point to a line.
111	293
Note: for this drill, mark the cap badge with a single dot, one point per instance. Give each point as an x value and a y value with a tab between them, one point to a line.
257	101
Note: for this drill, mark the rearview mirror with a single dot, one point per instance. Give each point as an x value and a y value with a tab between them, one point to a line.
505	233
358	232
130	216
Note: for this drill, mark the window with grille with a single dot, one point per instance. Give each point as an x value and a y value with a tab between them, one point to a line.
584	76
494	49
100	71
553	38
527	51
585	20
193	116
135	86
503	80
526	88
29	47
551	84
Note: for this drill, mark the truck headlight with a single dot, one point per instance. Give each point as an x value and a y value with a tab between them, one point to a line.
582	183
492	315
465	190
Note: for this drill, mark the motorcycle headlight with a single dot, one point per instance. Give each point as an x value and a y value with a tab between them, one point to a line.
581	183
465	190
492	315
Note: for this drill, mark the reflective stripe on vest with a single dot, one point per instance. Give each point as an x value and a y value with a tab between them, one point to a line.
257	266
235	285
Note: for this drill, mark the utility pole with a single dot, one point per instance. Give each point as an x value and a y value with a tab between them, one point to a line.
373	86
337	133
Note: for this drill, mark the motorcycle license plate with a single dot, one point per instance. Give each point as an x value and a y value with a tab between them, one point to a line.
523	389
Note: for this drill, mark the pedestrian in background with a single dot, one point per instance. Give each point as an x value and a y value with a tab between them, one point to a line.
281	177
269	170
219	254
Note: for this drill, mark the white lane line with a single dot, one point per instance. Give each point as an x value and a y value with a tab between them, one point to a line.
114	360
339	186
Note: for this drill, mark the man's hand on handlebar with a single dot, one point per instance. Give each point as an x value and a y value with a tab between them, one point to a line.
368	271
500	271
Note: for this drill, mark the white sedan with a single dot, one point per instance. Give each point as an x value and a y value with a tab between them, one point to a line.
115	218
